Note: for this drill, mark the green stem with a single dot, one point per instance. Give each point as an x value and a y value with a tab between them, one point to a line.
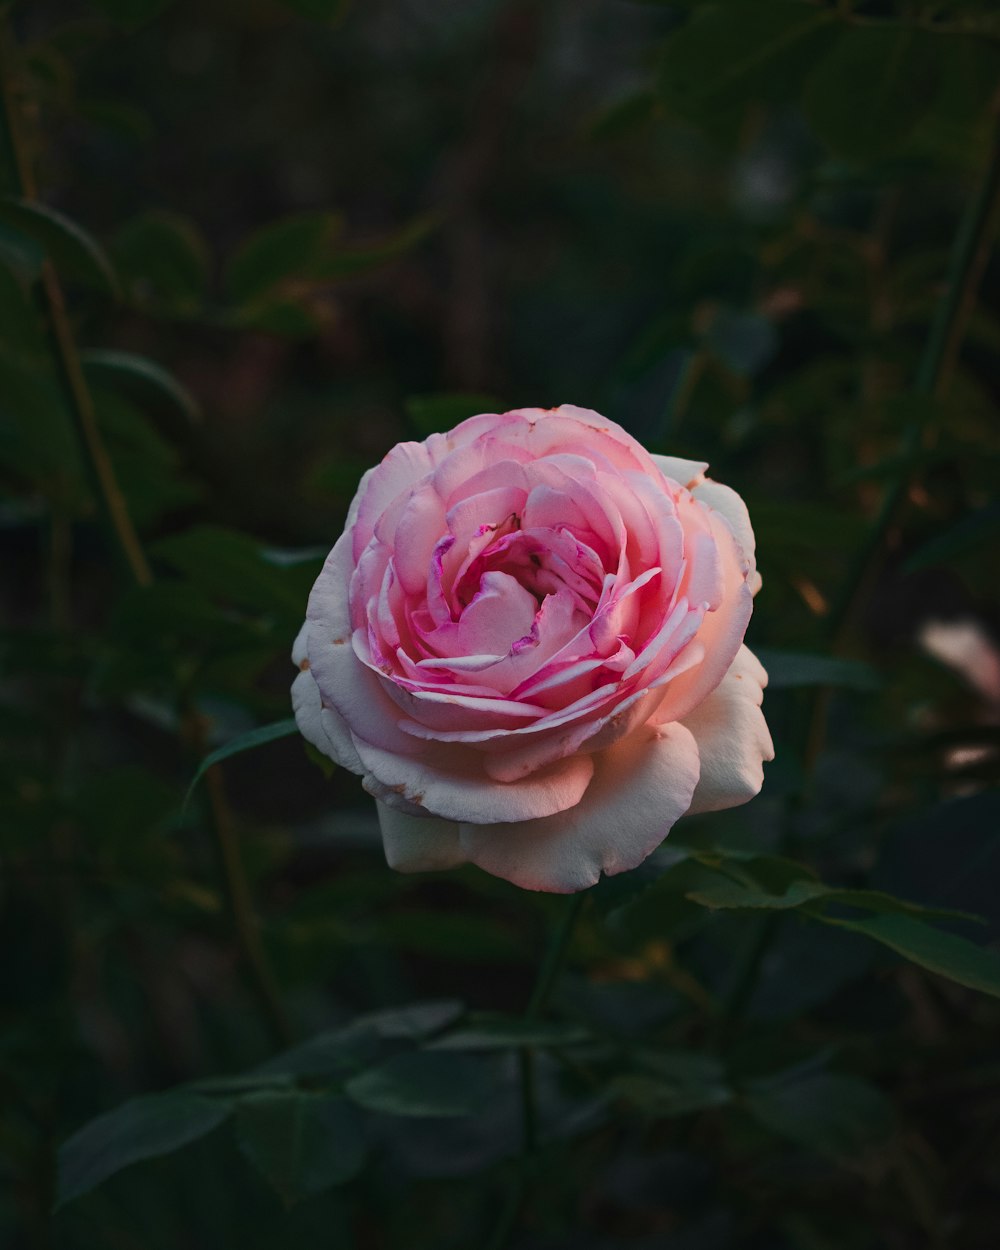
64	349
67	360
969	255
554	956
970	252
259	977
548	974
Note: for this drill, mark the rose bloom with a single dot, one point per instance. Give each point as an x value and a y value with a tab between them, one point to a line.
529	643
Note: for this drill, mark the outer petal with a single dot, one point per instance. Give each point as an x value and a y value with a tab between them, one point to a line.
732	737
308	706
322	726
449	782
641	786
419	843
725	501
721	632
685	472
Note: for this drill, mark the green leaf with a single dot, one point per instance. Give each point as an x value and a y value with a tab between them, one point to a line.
944	953
293	248
74	253
415	1021
871	92
230	566
726	55
353	262
336	1054
245	742
788	669
317	10
423	1083
141	1129
674	1082
342	1051
724	895
435	414
301	1143
36	433
833	1114
623	117
20	330
146	465
139	377
495	1032
164	262
727	894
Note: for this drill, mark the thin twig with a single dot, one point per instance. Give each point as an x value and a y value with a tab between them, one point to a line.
548	974
67	357
968	259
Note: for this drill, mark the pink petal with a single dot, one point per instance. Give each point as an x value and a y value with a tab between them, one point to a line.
732	737
402	469
641	787
420	526
450	783
721	632
728	504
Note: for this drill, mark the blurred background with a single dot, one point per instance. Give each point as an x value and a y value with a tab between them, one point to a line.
256	243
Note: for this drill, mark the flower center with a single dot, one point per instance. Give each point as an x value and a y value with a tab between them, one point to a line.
541	561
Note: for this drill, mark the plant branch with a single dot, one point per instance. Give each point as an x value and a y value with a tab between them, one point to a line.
238	897
970	252
548	973
67	357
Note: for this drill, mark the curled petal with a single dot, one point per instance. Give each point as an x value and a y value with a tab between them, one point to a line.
320	725
448	782
641	787
728	504
732	736
686	473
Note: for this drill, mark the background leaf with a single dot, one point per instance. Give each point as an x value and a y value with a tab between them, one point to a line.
75	254
423	1083
301	1143
141	1129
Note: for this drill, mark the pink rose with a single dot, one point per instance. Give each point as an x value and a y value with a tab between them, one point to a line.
529	643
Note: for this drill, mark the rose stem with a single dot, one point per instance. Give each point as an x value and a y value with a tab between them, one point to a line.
65	353
969	255
548	974
67	360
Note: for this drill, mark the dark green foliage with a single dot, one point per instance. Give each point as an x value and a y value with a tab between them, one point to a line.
301	1143
287	234
141	1129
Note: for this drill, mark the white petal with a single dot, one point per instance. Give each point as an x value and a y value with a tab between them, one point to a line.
419	843
641	786
685	472
300	647
732	737
730	506
307	706
451	782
